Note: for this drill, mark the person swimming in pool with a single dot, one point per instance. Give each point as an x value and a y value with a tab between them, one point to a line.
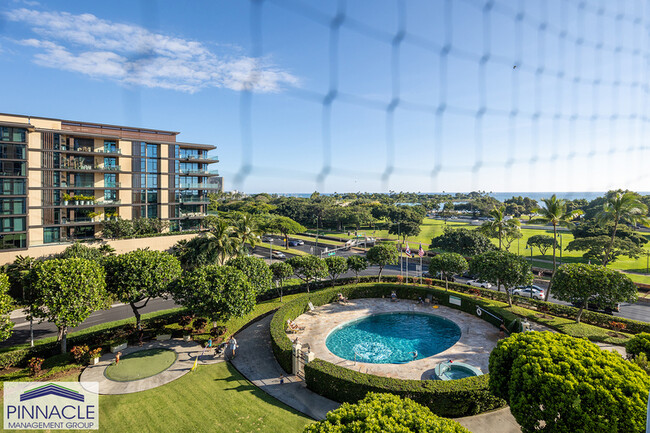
415	354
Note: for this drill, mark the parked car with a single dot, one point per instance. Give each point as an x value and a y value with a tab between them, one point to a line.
438	276
529	292
300	242
278	255
594	306
479	283
293	243
267	239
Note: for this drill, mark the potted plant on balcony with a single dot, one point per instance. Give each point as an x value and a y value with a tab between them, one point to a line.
90	199
94	215
66	199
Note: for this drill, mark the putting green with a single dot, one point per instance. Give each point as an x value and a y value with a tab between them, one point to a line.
141	364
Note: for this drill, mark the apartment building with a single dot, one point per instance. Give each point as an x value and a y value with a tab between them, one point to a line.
60	179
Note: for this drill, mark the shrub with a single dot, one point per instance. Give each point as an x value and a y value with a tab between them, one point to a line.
453	398
80	353
199	324
559	383
385	413
13	357
185	321
640	343
34	365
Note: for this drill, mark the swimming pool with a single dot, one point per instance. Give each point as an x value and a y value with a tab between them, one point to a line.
393	338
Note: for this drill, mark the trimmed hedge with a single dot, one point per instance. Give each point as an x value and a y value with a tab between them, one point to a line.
448	398
640	343
588	317
445	398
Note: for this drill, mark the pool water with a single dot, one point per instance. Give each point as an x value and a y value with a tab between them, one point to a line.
391	338
458	373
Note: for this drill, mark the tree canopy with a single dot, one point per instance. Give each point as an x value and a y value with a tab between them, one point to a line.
448	264
557	383
256	270
382	255
138	276
66	292
502	267
462	241
579	283
6	307
357	264
385	413
215	292
404	229
308	268
541	242
336	266
281	271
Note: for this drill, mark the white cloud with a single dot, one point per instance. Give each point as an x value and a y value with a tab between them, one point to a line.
133	55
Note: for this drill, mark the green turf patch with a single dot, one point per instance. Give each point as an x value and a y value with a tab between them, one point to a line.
141	364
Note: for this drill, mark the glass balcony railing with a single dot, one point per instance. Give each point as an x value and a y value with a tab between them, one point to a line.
108	150
192	199
199	186
192	214
108	202
181	171
112	184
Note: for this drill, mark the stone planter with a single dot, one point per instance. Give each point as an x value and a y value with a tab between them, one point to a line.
187	337
116	348
94	361
163	337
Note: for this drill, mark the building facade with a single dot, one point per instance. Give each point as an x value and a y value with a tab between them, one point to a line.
60	179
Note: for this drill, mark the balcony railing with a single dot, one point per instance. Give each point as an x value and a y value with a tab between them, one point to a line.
112	184
92	150
107	202
199	186
111	151
78	165
193	171
192	214
192	199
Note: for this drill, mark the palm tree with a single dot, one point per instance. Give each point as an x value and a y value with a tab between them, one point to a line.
554	211
621	207
499	224
221	241
247	230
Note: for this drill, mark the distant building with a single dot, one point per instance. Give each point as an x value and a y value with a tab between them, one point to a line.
60	179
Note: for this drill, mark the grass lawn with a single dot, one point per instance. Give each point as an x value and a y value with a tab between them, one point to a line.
141	364
213	398
276	247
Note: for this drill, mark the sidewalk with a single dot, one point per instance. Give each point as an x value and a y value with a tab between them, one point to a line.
256	362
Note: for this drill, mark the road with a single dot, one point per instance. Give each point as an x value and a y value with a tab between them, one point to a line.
119	311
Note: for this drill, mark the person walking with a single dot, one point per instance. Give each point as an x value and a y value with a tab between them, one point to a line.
117	357
233	347
209	345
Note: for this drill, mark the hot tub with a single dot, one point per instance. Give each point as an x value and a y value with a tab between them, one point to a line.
455	370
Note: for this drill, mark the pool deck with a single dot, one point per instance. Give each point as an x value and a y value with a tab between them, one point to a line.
477	340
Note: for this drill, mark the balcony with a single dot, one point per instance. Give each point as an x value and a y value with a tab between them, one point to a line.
109	151
193	200
112	184
193	171
87	149
199	186
107	202
192	214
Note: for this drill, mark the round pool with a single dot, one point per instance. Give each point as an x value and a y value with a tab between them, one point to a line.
393	338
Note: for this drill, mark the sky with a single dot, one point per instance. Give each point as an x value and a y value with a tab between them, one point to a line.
359	95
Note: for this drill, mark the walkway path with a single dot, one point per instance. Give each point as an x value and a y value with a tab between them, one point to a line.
186	351
256	362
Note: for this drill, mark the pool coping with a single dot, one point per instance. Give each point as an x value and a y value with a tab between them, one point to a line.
477	340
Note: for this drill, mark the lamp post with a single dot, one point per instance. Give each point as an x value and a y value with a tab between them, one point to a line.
271	250
560	249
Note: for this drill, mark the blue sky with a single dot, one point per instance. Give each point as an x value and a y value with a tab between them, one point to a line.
363	95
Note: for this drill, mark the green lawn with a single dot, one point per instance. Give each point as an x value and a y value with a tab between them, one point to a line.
141	364
214	398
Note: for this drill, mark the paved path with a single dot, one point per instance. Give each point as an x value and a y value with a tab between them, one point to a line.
256	362
186	350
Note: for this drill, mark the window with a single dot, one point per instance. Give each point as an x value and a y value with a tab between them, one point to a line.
110	195
12	206
12	224
110	180
110	146
84	144
12	134
12	186
11	168
12	151
110	162
11	241
51	234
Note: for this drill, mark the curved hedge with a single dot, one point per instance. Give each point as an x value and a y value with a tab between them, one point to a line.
445	398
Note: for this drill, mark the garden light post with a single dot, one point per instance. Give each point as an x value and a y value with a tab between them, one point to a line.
560	249
271	250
